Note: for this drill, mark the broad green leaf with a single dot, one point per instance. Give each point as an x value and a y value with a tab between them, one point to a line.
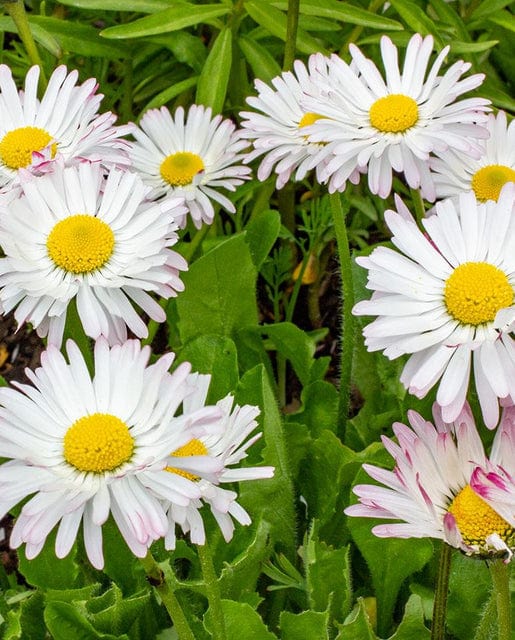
261	233
112	613
319	407
73	595
273	498
169	94
357	626
64	621
172	19
217	356
417	19
328	577
294	344
241	621
219	295
143	6
344	12
12	630
263	64
79	38
412	625
307	624
214	78
390	560
186	48
46	570
274	21
31	619
120	564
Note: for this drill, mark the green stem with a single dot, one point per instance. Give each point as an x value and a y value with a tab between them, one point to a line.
16	9
442	588
418	203
501	591
212	591
291	34
157	579
347	330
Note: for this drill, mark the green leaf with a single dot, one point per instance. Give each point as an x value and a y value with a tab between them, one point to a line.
31	619
488	8
328	577
274	21
417	19
219	295
41	36
357	626
120	564
272	498
172	19
169	94
64	621
390	560
412	625
143	6
214	78
79	38
503	19
215	355
112	613
261	233
263	64
319	407
449	16
473	47
294	344
344	12
308	624
241	621
46	570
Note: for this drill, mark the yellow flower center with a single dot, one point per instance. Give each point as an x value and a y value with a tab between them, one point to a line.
476	520
476	291
18	145
98	443
192	448
180	168
488	181
309	118
80	243
395	113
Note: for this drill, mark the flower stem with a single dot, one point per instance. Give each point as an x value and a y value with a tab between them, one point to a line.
501	591
212	591
418	203
347	328
291	34
157	579
442	588
18	14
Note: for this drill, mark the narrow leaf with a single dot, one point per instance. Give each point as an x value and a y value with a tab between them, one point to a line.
214	78
416	18
262	63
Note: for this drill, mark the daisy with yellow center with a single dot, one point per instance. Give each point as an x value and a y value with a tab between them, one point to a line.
379	124
34	133
435	489
211	460
190	156
82	448
447	297
279	126
74	234
485	175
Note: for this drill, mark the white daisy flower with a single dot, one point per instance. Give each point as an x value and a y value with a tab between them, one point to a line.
227	445
486	175
431	490
448	299
394	124
83	448
64	124
279	131
191	160
72	234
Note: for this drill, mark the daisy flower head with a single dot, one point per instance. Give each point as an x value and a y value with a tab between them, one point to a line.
486	175
64	125
433	490
190	156
279	131
446	297
83	447
379	124
72	234
224	444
